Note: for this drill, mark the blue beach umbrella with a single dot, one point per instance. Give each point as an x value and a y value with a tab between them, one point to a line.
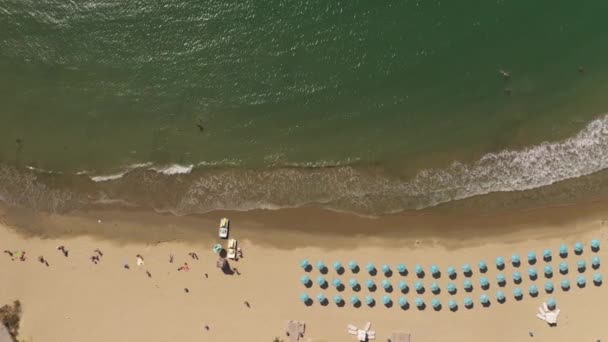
435	303
532	273
355	300
565	283
336	283
500	279
402	302
581	265
386	269
369	300
337	266
515	259
578	248
483	267
500	296
563	268
217	248
338	299
434	270
370	268
419	302
468	302
353	283
551	304
353	265
549	287
531	257
451	288
386	300
419	287
386	284
321	281
581	281
548	271
483	282
595	262
321	298
563	251
500	262
516	277
533	290
305	280
434	287
517	293
547	254
466	269
467	285
419	270
401	268
452	304
597	279
321	266
595	245
304	298
451	272
484	299
304	264
403	286
370	284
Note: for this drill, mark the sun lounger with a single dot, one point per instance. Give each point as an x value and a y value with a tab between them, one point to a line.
231	250
352	332
362	335
541	317
400	337
368	326
545	307
292	331
301	328
371	335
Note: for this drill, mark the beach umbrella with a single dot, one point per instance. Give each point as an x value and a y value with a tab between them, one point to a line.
355	300
533	290
401	268
482	266
467	285
419	287
581	281
500	279
549	286
551	304
386	269
304	264
402	302
321	298
532	273
353	283
370	284
451	288
595	245
304	298
419	302
435	303
515	259
452	304
305	280
217	248
466	269
595	262
565	283
548	271
338	299
337	266
434	287
581	265
516	277
451	272
468	302
370	268
353	265
547	254
386	284
434	270
336	282
386	300
531	257
517	293
419	270
500	296
321	281
483	282
578	248
500	262
403	286
321	266
563	268
369	300
484	299
563	251
597	278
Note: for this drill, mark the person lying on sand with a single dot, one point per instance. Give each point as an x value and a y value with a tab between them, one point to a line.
126	266
149	274
98	252
184	267
9	253
95	259
22	257
140	260
63	250
239	253
171	258
193	255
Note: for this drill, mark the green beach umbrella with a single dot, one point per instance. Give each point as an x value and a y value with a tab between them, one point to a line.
451	288
548	271
370	268
466	269
338	299
547	255
578	248
321	266
451	272
515	259
595	245
403	286
467	285
386	269
551	304
305	280
468	302
581	265
563	251
436	303
419	271
419	287
500	279
419	302
484	299
304	264
517	293
321	281
597	279
500	296
321	298
595	262
386	300
434	271
549	287
338	266
401	268
386	284
370	284
500	263
369	300
565	283
353	265
563	268
483	267
304	298
581	281
452	305
353	283
483	282
531	257
402	302
434	288
533	290
354	300
516	277
217	248
336	283
532	273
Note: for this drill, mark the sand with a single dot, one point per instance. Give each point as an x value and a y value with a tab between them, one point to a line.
75	300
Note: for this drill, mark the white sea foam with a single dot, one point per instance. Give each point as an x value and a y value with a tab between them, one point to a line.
105	178
174	169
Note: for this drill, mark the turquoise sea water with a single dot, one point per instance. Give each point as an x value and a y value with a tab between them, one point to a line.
365	106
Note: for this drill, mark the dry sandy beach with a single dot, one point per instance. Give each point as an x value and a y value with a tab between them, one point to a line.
74	299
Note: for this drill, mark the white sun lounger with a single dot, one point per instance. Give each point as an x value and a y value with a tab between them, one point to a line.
545	306
371	335
368	326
